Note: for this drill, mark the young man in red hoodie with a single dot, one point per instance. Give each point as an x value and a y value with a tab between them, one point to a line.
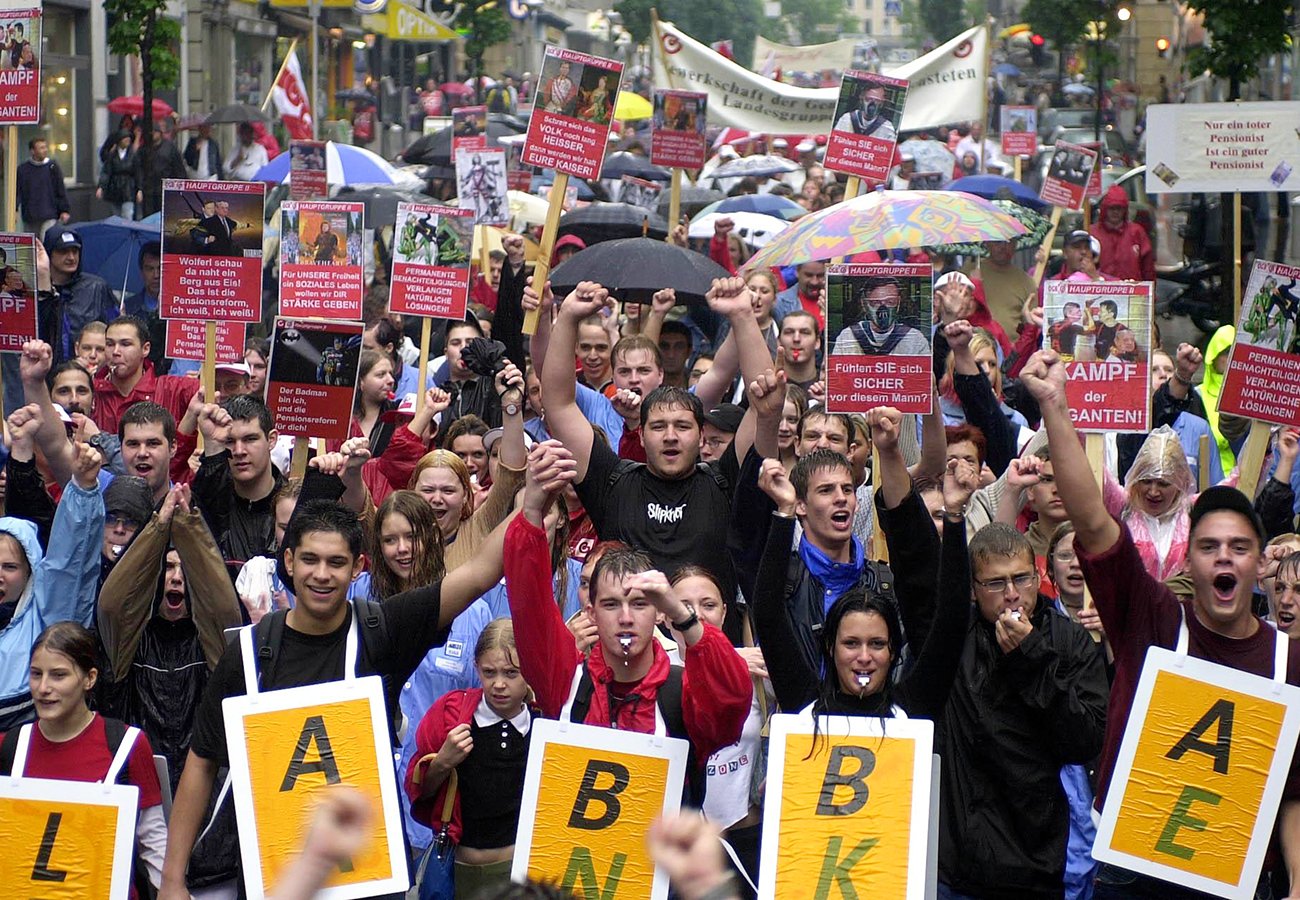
1126	251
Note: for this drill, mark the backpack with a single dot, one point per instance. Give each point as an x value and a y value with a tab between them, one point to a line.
114	733
496	100
627	466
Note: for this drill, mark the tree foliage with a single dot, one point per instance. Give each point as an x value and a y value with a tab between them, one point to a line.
716	20
1242	32
1062	22
141	28
938	20
808	22
484	25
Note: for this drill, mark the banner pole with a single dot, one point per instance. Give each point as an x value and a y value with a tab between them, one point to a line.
1041	266
1236	256
674	199
11	179
852	186
542	268
1203	462
426	333
1016	166
293	45
210	361
984	86
1251	457
879	548
298	468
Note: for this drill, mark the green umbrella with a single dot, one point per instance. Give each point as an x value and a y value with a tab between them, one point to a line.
1036	228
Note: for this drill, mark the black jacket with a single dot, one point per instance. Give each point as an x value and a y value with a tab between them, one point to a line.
120	176
41	194
191	156
477	396
243	528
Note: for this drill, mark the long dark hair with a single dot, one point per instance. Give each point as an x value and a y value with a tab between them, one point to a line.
427	553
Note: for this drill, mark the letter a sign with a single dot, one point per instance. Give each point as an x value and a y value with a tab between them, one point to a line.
590	795
1199	775
285	748
850	810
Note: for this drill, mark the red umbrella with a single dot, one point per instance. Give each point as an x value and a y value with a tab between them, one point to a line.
455	87
134	106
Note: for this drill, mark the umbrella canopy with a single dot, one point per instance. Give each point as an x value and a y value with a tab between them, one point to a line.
360	95
1036	228
754	229
455	87
1077	87
1009	69
995	187
111	249
236	112
767	204
694	200
344	164
630	106
435	149
758	166
527	209
381	202
623	163
930	156
134	106
600	222
634	268
889	220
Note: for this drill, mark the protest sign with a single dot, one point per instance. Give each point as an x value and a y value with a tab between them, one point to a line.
1212	147
569	127
468	128
312	377
67	840
849	809
519	177
1019	130
434	124
866	120
20	76
640	193
587	834
288	746
307	171
322	258
1263	380
186	340
677	129
1092	190
1068	175
567	202
431	255
1200	774
1102	329
17	291
212	250
880	314
482	184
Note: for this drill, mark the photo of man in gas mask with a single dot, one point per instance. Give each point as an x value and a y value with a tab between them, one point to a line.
881	332
871	116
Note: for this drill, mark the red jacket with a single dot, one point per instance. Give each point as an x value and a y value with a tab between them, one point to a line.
716	690
1126	251
172	392
452	709
392	470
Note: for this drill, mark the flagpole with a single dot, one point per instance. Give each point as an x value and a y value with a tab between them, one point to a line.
314	6
984	88
293	45
659	47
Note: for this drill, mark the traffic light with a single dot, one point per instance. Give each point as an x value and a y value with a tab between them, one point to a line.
1036	49
1162	47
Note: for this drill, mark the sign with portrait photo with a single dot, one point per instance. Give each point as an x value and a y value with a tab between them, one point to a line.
677	129
1019	130
482	185
312	377
17	291
1068	175
468	128
322	258
20	70
640	193
1263	379
865	129
880	315
572	112
308	179
212	250
431	256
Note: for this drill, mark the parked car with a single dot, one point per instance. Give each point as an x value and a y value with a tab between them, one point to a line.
1064	117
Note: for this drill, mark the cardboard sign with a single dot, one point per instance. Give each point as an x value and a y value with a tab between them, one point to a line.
307	171
1102	329
850	812
572	112
468	128
677	129
481	181
285	748
188	340
867	114
1068	175
17	291
518	176
1199	776
1195	147
1263	379
880	314
431	254
67	840
640	193
312	377
212	250
1019	130
1092	190
590	795
322	258
20	73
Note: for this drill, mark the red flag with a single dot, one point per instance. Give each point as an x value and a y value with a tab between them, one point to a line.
724	48
292	99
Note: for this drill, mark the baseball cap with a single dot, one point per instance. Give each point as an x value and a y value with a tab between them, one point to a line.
241	368
805	146
1221	498
725	417
1078	236
130	497
490	439
59	237
780	142
948	278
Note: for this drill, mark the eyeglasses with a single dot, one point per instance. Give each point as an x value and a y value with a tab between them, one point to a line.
1065	556
113	520
1024	581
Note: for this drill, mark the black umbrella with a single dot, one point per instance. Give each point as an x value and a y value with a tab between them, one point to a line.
435	149
693	199
236	112
601	222
381	203
634	268
619	164
360	95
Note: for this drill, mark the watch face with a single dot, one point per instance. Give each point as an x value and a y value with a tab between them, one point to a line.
512	409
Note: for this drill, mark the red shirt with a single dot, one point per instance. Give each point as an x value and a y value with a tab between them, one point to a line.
172	392
86	758
814	308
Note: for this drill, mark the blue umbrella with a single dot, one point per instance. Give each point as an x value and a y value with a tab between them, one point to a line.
994	187
1007	69
344	164
764	204
111	249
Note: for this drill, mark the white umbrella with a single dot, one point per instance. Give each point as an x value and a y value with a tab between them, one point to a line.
527	209
754	229
756	166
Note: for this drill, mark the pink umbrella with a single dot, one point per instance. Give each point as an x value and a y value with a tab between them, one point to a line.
134	106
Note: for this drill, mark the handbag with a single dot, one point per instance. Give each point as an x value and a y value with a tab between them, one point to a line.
435	875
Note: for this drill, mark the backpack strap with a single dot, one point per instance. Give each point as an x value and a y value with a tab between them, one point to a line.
122	752
622	468
374	629
579	702
669	701
17	748
7	747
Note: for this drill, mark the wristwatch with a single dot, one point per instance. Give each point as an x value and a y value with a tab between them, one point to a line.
511	409
687	623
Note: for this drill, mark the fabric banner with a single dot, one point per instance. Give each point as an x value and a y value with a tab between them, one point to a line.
292	99
769	56
945	85
1194	147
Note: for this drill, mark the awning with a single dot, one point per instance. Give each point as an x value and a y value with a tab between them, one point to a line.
402	22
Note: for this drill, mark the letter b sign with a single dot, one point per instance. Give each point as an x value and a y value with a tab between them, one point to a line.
605	794
837	777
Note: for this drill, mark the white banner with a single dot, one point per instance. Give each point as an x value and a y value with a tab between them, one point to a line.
946	85
1194	147
770	56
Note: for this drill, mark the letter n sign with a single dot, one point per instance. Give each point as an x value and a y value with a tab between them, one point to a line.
590	795
1199	775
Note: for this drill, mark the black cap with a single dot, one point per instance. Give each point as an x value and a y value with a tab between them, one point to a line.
58	237
130	496
1077	236
1221	498
726	417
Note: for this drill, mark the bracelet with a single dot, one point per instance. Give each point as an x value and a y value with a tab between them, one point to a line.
781	515
1187	382
687	623
954	516
727	889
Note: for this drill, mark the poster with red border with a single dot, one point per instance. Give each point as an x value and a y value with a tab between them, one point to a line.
1263	379
677	129
1092	191
481	185
880	315
312	377
431	255
572	112
865	128
1019	130
1068	175
308	179
212	250
1102	330
17	291
519	177
20	76
187	339
322	258
468	128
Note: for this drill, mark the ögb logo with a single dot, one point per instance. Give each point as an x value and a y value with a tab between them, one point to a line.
963	49
671	43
